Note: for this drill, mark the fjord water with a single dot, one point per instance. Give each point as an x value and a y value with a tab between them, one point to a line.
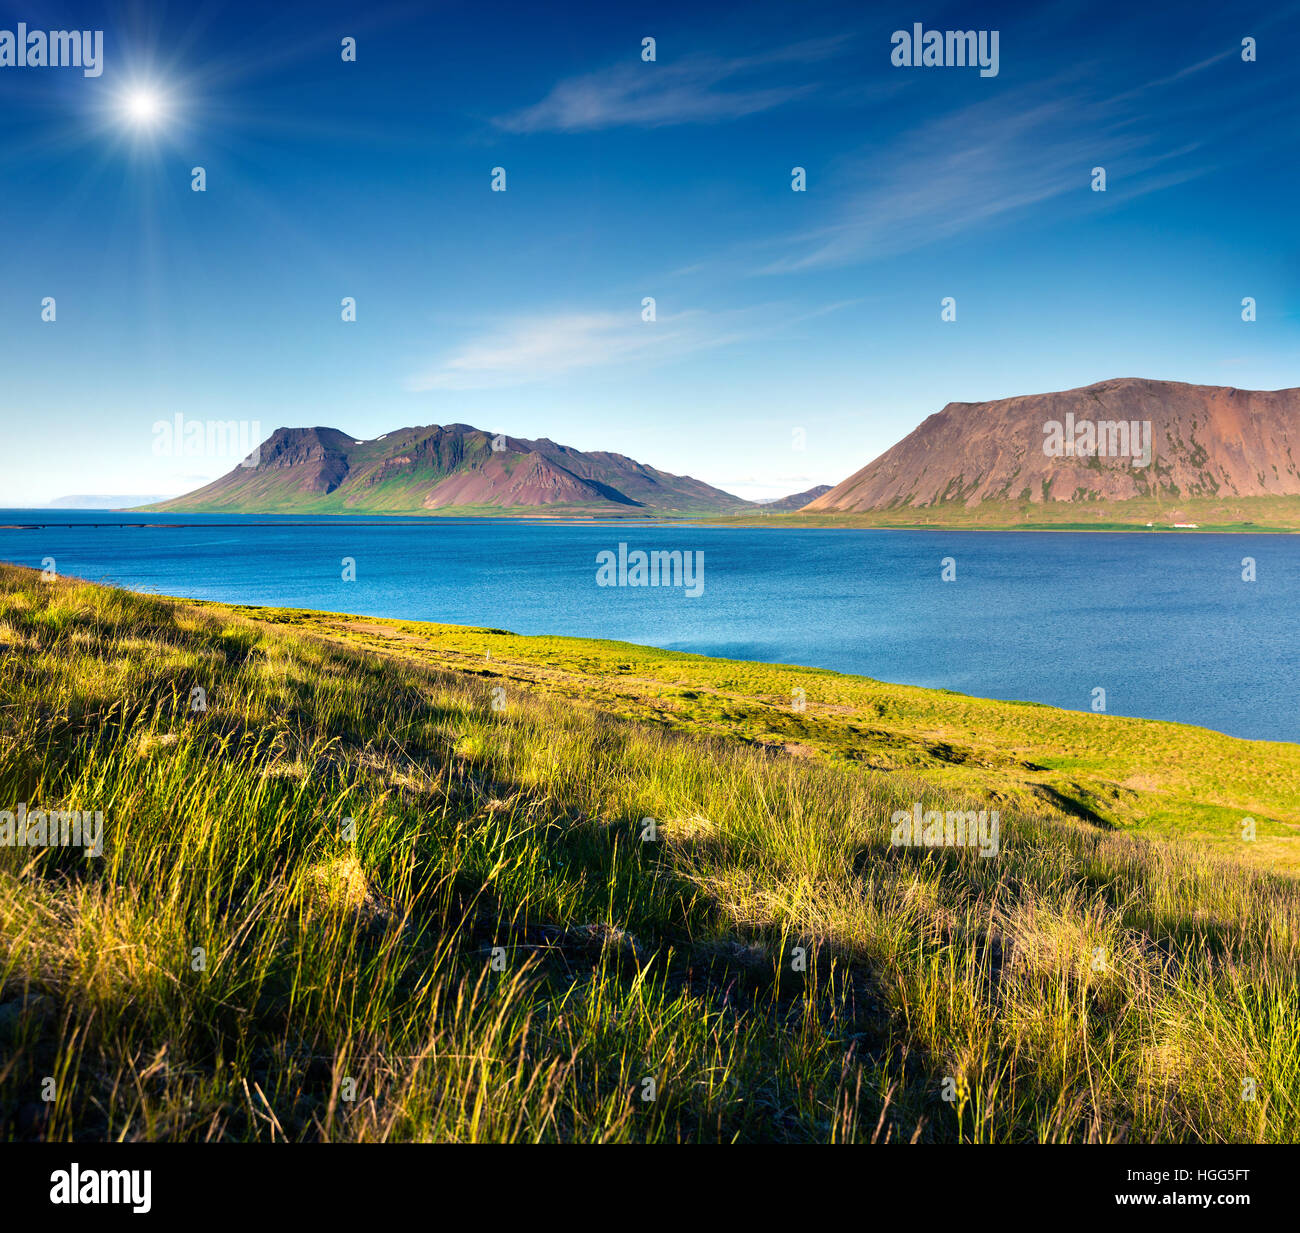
1163	622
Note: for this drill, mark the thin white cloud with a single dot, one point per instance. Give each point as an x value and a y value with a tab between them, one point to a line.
546	346
542	347
694	90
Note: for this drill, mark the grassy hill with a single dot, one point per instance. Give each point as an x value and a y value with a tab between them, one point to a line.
395	881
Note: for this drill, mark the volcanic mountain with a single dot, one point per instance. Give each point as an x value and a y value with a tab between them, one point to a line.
1205	441
414	470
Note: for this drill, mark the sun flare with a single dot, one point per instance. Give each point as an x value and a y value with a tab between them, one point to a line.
142	107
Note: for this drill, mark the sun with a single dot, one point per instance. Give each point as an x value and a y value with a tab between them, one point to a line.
145	110
143	107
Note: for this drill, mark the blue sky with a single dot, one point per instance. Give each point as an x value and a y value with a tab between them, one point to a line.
521	311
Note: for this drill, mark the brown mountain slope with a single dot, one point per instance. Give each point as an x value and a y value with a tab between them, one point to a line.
531	481
1206	441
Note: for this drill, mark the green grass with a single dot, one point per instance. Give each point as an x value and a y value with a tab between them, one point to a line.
491	951
1114	771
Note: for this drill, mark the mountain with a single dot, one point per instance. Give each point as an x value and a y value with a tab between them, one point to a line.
1205	442
453	467
796	500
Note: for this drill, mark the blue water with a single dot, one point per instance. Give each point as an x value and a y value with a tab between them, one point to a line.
1164	623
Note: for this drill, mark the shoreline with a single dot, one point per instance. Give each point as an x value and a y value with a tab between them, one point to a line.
786	523
720	660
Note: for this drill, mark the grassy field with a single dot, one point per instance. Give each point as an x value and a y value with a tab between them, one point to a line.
1161	778
395	881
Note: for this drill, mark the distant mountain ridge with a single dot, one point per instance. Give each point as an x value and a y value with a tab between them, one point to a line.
1205	441
797	500
447	467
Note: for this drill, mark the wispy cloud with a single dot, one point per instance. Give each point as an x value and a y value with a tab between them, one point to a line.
545	346
695	90
978	165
